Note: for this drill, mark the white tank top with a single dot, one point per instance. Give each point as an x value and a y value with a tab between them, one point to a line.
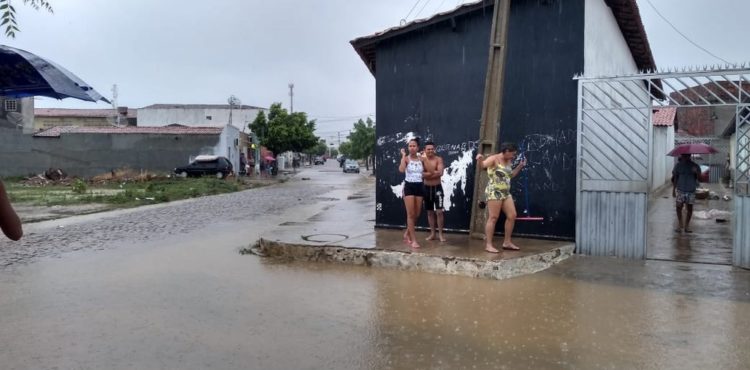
414	170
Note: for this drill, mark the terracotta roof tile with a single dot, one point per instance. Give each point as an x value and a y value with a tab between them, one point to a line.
664	116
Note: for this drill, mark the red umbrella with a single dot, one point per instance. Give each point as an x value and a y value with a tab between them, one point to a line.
697	148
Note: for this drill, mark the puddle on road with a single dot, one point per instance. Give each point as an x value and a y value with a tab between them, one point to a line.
195	303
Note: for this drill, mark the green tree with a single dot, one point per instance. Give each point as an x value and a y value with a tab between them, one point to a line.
346	149
8	14
362	140
281	131
320	149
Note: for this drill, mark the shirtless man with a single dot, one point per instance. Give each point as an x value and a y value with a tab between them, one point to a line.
433	190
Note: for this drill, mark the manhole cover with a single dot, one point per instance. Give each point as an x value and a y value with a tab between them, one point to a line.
325	238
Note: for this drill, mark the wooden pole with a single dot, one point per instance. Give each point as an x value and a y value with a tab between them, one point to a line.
491	108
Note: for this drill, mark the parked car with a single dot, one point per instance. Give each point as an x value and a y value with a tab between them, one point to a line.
206	165
351	165
319	160
704	176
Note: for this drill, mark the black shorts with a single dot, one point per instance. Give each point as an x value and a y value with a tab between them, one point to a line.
433	197
413	189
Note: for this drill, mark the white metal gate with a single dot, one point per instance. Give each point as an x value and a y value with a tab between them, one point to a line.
615	149
742	189
614	142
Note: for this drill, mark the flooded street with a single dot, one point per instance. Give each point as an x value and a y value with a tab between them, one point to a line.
191	301
200	305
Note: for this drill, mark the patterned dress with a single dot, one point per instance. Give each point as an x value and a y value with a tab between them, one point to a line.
498	186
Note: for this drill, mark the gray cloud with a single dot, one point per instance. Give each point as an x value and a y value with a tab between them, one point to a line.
190	51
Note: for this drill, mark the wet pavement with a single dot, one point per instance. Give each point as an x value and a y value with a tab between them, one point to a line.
710	241
190	301
344	232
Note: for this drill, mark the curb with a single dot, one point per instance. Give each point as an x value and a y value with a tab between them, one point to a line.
405	261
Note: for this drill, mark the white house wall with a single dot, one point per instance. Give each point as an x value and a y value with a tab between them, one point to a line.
228	146
605	51
195	117
663	142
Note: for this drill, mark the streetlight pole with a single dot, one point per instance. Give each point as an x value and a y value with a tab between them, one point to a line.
291	97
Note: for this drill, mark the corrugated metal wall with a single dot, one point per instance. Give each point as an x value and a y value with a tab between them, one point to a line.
741	232
613	224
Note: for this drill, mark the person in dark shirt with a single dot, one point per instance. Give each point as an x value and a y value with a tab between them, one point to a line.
684	183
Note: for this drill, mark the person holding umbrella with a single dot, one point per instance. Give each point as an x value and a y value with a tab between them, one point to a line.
685	180
684	183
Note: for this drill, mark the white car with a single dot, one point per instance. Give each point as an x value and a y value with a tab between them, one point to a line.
351	165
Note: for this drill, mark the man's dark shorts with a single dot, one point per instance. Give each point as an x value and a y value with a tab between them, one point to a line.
433	197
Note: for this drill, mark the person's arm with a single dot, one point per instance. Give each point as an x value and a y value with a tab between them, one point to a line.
518	168
674	181
9	221
483	162
440	168
402	165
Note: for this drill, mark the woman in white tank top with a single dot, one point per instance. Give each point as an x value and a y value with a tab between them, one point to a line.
412	166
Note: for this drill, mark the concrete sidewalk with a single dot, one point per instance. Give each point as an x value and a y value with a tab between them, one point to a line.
345	233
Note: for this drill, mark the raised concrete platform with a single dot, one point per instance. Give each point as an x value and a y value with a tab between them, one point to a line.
344	233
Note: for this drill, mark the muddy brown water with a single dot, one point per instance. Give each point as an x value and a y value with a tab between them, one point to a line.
200	305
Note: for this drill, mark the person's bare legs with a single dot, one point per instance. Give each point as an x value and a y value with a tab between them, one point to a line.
679	218
408	201
509	208
431	221
416	211
688	217
493	212
440	223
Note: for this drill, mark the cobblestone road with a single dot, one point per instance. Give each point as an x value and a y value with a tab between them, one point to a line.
148	224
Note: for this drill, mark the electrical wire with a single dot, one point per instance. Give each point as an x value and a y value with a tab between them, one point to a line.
683	35
421	9
412	9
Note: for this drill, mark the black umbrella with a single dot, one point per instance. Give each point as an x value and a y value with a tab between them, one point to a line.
24	74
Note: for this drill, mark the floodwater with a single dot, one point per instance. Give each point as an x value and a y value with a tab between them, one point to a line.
199	304
710	241
192	302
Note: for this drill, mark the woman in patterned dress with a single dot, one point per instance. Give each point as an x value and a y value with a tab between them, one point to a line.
500	172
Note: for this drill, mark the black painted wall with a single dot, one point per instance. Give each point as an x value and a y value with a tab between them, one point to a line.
431	82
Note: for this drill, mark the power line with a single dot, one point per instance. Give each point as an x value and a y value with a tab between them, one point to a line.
438	7
421	9
683	35
409	13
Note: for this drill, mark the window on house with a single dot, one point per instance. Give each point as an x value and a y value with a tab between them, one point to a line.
208	118
11	105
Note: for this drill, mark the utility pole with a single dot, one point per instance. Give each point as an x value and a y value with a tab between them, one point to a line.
491	108
291	97
114	105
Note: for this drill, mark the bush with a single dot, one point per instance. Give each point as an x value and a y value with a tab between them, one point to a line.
79	186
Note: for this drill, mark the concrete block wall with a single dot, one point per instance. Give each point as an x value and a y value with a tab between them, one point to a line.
88	155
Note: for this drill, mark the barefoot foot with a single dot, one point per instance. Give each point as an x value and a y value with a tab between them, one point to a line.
511	247
431	237
415	245
491	249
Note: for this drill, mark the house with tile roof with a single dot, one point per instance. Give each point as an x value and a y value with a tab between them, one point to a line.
430	77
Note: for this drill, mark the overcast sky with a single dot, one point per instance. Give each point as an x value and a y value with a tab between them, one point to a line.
191	51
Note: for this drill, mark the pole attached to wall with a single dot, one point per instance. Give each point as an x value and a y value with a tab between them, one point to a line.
491	108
